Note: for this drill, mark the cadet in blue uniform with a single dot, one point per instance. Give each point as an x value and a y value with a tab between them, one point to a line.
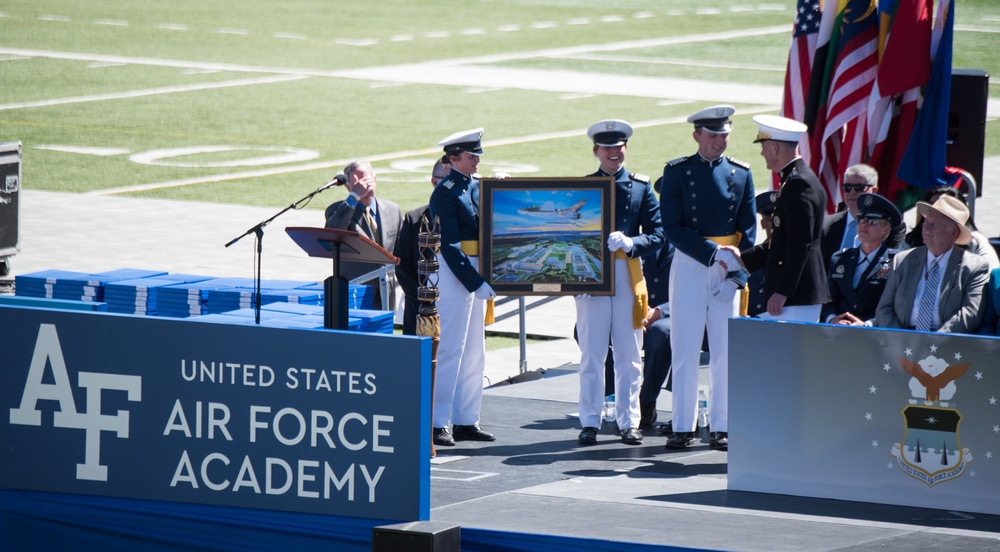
461	358
620	316
707	202
858	274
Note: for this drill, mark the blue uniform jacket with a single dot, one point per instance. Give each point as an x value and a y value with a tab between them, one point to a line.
860	301
702	198
637	212
452	202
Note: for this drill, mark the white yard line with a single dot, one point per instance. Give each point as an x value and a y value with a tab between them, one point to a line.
390	156
612	46
973	29
669	61
470	76
151	92
350	73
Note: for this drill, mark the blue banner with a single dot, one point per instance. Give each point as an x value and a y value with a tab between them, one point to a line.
294	420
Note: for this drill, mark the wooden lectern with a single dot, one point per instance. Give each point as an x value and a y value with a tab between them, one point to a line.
339	245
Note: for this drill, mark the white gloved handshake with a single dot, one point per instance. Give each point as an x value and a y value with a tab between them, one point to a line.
485	292
618	240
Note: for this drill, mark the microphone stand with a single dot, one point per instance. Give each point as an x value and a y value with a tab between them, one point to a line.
258	231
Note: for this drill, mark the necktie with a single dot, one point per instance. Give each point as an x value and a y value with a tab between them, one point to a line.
373	226
862	264
849	234
927	299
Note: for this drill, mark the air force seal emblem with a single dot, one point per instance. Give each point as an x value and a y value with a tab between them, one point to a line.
930	450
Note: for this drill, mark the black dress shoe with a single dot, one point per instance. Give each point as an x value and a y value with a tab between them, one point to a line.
666	428
443	438
647	415
719	440
631	436
471	433
588	436
680	440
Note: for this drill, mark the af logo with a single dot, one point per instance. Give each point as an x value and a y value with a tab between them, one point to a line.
48	351
930	450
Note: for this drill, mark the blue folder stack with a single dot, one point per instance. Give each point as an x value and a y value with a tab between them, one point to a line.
243	295
285	303
190	299
373	321
75	286
293	308
305	316
140	296
359	296
304	296
134	296
43	283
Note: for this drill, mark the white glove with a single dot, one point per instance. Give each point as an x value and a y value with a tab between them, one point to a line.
618	240
501	175
581	296
485	292
728	259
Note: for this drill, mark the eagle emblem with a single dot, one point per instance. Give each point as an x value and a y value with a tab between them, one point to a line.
930	451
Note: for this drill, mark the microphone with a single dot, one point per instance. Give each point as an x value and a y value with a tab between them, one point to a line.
338	180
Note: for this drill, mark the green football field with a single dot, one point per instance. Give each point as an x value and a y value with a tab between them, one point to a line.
259	103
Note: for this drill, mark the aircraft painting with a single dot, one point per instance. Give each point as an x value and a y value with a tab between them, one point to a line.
554	215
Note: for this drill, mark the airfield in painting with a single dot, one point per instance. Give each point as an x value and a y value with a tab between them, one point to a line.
546	236
561	257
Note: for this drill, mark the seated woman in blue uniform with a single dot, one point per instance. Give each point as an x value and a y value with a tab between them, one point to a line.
858	274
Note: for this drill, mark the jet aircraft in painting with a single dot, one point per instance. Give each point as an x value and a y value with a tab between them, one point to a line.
549	211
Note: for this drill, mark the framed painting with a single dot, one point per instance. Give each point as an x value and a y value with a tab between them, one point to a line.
546	236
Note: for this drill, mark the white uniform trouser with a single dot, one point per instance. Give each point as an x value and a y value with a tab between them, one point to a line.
461	356
693	306
597	319
796	313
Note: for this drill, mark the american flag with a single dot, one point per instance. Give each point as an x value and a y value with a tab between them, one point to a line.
838	133
808	15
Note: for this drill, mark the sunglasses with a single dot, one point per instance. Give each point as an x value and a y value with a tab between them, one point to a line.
870	221
855	187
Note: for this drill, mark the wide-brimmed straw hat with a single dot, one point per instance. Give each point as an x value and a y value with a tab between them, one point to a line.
954	209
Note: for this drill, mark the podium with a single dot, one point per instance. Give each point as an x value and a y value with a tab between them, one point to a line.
339	245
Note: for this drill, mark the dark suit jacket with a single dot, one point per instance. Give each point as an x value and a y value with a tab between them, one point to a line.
792	259
833	234
390	218
860	301
962	286
408	251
